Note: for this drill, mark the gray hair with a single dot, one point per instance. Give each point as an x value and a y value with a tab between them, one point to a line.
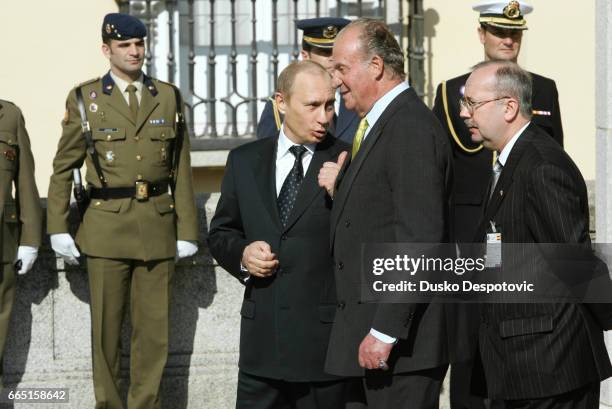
377	39
512	81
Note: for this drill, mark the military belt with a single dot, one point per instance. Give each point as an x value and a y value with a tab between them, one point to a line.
142	190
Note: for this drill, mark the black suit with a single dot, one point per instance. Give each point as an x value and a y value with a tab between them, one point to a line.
343	127
396	189
472	165
286	318
531	351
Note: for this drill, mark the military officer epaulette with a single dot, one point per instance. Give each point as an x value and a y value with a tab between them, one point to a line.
91	81
160	82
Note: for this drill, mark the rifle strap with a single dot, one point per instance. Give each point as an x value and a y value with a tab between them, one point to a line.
86	133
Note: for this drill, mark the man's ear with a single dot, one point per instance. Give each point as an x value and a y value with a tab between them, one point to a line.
281	102
481	35
106	50
512	110
377	65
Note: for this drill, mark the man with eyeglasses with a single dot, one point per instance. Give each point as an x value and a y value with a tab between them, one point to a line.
535	354
501	32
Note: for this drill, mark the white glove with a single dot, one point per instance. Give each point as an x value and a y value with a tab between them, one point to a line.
185	248
27	255
63	245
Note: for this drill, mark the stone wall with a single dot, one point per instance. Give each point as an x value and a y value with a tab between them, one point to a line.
49	339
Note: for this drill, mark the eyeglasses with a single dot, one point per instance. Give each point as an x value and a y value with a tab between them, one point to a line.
472	106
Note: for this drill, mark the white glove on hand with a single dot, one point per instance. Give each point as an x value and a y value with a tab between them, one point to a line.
185	249
63	245
28	256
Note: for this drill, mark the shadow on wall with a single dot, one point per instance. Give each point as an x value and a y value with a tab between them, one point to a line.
431	18
194	287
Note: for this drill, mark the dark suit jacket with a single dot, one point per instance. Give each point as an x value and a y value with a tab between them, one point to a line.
539	350
473	170
396	189
286	319
343	127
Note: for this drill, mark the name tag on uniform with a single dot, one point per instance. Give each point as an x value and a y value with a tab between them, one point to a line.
493	252
160	121
108	129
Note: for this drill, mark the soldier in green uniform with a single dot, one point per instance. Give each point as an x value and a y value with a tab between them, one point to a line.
20	213
142	212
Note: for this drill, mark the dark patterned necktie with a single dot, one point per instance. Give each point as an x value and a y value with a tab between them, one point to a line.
291	185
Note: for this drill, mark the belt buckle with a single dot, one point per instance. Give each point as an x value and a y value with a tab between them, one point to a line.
142	190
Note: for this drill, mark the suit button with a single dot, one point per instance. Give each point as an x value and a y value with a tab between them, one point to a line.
284	237
340	265
138	157
347	223
109	137
137	138
341	305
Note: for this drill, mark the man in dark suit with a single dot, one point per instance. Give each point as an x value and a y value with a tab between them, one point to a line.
317	44
271	231
502	24
533	355
396	189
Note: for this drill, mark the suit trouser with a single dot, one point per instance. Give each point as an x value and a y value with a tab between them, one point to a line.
586	397
256	392
7	296
411	390
147	284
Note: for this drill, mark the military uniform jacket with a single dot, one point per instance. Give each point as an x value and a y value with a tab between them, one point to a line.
128	150
473	163
343	126
21	219
286	318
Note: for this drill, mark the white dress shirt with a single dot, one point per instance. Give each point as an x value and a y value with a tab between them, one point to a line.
503	156
122	85
285	159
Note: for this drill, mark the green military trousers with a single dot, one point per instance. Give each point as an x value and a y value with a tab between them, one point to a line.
7	296
147	284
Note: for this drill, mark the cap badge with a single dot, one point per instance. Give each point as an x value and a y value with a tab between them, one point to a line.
330	32
512	10
108	28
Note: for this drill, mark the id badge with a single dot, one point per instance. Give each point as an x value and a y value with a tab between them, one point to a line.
493	253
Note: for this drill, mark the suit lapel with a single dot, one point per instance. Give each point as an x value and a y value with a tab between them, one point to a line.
505	181
264	173
309	188
148	103
351	172
117	103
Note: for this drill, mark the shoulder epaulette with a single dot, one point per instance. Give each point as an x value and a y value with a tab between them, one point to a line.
91	81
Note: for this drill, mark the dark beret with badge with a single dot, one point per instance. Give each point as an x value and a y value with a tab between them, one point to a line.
120	26
504	14
322	31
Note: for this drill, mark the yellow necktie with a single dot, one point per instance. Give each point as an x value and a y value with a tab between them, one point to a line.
363	126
